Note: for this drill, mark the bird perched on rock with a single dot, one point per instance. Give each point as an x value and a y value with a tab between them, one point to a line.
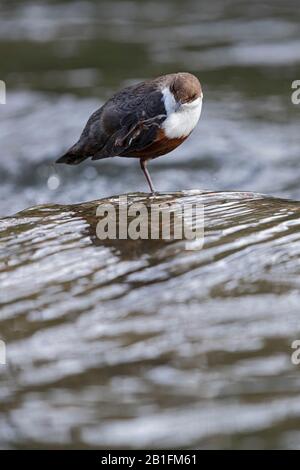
142	121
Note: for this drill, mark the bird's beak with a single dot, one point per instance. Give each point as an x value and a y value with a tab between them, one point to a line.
177	105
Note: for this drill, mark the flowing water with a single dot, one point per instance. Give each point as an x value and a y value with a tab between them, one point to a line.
144	343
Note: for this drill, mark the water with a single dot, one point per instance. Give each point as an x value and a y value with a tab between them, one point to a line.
144	344
62	60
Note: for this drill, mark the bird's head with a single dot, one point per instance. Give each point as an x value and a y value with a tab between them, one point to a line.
186	90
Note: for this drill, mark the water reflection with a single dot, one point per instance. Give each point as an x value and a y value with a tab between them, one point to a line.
118	344
145	344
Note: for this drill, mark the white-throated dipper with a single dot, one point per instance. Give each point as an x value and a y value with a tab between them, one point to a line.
142	121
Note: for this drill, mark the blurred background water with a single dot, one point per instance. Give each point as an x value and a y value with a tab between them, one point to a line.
61	60
122	346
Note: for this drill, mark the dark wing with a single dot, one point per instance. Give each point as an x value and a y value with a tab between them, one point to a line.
90	141
131	120
128	122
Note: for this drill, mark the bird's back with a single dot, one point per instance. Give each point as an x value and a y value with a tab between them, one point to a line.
113	121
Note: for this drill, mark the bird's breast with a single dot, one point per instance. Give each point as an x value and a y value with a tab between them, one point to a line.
181	123
164	144
160	146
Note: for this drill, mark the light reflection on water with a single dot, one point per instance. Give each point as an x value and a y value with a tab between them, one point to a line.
142	344
76	54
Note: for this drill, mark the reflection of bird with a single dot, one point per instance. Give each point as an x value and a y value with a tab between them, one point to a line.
144	121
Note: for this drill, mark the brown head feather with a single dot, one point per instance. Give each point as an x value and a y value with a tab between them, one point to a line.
185	87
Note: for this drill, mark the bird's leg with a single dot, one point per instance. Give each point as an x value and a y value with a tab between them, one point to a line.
146	173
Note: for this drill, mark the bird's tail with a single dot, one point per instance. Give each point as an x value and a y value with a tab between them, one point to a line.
72	157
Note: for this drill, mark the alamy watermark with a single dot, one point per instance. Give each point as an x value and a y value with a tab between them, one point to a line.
2	92
124	220
295	97
295	357
2	352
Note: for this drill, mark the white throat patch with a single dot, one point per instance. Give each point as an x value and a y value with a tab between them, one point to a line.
180	123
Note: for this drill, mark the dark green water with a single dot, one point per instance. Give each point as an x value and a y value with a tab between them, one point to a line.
61	60
145	344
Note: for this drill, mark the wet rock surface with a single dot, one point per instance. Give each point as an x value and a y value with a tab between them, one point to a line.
144	343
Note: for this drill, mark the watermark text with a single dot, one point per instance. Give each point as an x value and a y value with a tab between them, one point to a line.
2	352
295	97
157	221
2	92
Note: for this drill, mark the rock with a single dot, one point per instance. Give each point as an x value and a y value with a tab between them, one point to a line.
120	323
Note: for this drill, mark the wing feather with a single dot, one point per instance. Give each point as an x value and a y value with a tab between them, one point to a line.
131	124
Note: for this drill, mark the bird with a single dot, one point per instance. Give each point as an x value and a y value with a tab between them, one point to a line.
145	121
